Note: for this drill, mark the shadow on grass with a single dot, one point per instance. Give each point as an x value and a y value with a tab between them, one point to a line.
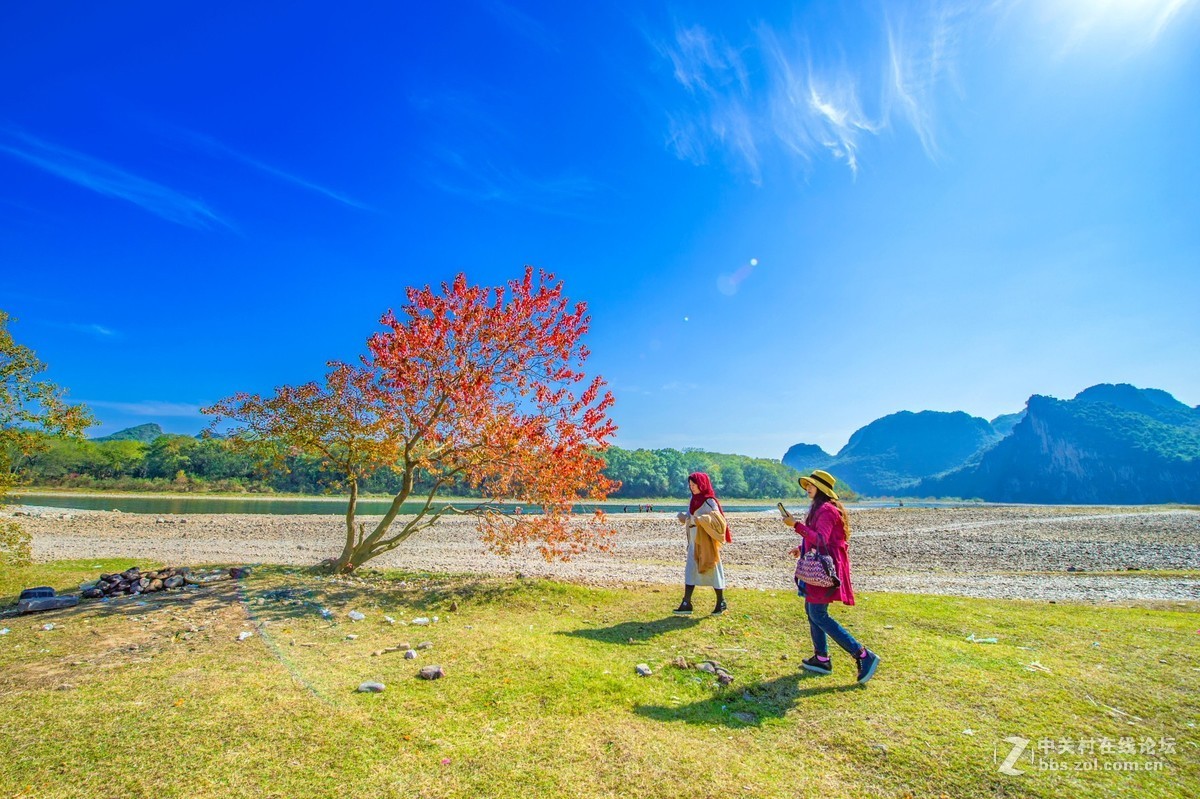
485	591
633	631
748	707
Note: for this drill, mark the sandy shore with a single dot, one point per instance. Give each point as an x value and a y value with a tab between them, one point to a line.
985	551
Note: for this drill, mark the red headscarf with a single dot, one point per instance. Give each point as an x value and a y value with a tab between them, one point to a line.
706	492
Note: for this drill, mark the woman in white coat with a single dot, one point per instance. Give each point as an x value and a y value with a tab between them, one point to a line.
707	530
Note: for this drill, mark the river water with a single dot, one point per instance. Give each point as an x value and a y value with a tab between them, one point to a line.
153	504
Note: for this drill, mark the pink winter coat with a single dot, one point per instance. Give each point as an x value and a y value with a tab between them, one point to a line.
829	531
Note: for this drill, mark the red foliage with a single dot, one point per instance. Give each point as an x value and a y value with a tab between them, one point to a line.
475	384
488	384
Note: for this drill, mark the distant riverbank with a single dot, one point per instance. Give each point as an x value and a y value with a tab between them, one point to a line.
35	492
193	504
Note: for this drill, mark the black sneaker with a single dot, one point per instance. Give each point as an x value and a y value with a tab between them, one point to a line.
867	666
818	666
684	609
720	608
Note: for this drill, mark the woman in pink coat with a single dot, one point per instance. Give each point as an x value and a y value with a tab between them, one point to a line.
827	529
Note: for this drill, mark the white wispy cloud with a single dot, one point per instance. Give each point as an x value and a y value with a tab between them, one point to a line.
471	156
1126	27
482	180
147	408
704	63
522	24
1167	12
777	94
92	329
791	92
214	147
716	77
111	181
919	65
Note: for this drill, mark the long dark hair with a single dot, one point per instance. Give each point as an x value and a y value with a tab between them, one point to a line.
820	499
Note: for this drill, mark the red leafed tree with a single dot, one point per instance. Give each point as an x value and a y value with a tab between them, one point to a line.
482	385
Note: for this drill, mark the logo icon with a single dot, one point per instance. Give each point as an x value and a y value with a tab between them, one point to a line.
1018	748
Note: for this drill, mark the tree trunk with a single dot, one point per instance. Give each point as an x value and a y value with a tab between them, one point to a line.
344	560
367	547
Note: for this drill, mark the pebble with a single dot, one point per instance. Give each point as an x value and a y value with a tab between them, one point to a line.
351	637
410	654
420	621
643	670
431	673
371	688
244	634
355	615
425	645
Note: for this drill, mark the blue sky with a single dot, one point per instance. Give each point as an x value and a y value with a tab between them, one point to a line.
788	219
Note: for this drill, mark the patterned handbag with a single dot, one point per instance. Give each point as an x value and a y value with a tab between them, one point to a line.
816	568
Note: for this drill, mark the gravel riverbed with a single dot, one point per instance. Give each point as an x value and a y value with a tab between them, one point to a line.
999	551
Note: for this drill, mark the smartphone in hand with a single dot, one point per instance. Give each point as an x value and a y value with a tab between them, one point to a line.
782	509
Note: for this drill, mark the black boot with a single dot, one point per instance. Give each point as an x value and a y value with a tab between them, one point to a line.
721	606
685	607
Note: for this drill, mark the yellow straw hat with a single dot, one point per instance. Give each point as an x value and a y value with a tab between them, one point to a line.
822	480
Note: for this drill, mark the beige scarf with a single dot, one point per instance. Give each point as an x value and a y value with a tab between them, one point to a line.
710	535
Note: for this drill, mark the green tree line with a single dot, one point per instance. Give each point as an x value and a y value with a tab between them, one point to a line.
185	463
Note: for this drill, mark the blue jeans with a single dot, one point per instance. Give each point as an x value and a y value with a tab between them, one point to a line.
820	623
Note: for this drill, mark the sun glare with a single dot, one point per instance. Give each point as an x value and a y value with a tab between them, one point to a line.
1139	17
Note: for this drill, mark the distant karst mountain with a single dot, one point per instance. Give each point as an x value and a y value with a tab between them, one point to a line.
806	457
1004	424
1109	444
895	452
145	433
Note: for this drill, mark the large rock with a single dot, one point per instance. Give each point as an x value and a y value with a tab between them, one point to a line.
431	673
47	603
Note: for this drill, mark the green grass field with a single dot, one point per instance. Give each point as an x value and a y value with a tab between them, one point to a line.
541	697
